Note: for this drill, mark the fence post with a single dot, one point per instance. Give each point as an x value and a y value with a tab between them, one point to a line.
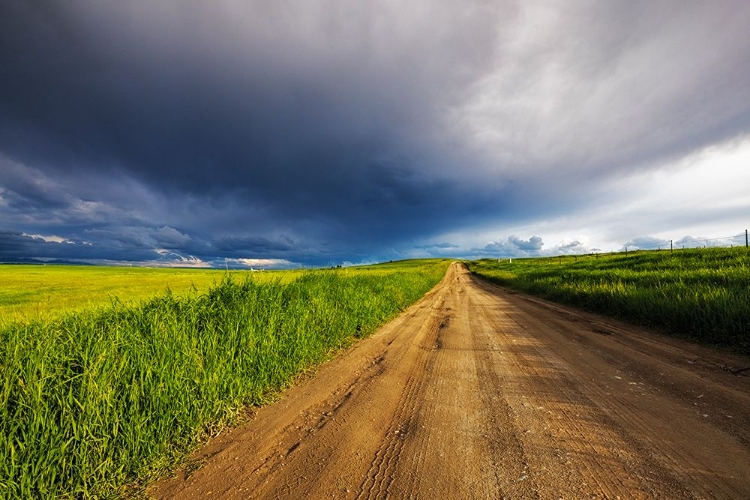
745	238
671	250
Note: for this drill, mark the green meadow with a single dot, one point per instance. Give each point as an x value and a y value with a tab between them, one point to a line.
42	292
99	397
700	294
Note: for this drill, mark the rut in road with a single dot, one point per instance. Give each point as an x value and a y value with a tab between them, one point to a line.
477	392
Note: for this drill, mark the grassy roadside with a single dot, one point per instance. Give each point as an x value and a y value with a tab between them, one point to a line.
700	294
97	399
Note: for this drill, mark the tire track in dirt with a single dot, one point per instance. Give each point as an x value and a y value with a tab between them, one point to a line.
381	472
478	392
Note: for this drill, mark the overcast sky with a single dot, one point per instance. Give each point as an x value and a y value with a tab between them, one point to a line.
319	132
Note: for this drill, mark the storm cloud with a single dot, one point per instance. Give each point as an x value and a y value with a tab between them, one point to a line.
311	133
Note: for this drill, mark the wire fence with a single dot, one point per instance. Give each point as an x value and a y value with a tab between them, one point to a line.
740	239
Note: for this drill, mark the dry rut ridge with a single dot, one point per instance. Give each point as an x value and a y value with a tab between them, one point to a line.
478	392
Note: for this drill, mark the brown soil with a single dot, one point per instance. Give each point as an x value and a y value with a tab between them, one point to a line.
479	392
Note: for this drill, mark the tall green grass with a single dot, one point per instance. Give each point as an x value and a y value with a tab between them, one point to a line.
701	294
98	399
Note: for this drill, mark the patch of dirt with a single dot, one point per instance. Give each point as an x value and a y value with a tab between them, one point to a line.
477	392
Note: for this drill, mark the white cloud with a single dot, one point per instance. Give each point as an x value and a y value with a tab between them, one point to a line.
704	193
169	258
263	263
49	239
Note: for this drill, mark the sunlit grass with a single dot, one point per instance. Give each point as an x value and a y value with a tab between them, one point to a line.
703	294
43	292
103	397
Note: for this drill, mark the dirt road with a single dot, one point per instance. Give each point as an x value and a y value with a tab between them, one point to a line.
477	392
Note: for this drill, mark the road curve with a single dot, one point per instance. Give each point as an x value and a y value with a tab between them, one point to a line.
478	392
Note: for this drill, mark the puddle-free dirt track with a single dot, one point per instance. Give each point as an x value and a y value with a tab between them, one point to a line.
478	392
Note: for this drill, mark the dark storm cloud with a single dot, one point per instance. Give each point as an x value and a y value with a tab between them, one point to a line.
199	97
15	247
320	115
25	193
144	237
257	244
331	130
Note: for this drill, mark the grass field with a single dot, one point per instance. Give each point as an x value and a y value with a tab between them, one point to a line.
42	292
701	294
107	396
